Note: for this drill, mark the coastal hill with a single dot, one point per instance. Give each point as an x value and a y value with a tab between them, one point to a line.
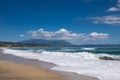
37	43
48	42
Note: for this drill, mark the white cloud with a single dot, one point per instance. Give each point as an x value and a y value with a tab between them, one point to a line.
115	8
21	35
99	35
112	19
64	34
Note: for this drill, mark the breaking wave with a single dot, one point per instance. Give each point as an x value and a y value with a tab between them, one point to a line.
86	63
88	48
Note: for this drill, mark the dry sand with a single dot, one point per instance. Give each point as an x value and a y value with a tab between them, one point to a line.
15	71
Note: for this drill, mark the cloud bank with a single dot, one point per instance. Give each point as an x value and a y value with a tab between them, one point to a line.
64	34
111	19
115	8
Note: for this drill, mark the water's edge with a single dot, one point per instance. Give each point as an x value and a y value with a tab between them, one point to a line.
47	66
73	60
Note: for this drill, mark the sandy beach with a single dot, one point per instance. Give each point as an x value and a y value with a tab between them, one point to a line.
16	68
15	71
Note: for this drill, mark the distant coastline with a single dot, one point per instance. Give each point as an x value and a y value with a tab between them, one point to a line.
16	44
32	44
37	43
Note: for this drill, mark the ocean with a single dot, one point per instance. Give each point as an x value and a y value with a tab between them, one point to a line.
100	62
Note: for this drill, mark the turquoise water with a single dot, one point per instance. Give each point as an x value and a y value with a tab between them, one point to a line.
94	50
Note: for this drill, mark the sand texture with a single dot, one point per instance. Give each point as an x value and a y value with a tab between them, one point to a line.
15	71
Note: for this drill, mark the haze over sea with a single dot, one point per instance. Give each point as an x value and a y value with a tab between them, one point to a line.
100	62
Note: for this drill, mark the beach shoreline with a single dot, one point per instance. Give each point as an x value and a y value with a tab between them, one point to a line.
45	66
15	71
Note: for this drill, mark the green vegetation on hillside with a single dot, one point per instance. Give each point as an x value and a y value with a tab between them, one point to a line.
15	44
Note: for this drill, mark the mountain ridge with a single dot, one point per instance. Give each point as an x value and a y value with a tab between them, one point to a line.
48	42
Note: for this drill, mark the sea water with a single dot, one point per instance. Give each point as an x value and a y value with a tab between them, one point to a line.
100	62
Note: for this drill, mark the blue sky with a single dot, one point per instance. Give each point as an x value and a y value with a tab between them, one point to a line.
77	21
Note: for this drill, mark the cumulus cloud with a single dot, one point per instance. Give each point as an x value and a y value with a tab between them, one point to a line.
112	19
115	8
64	34
99	35
21	35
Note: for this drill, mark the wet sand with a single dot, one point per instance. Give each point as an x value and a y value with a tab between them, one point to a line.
16	68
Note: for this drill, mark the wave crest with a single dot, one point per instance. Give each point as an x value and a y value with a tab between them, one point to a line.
109	57
88	48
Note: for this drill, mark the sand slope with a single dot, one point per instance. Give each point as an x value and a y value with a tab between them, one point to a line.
15	71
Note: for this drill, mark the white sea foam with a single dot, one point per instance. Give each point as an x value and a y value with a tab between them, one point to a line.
88	48
82	62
